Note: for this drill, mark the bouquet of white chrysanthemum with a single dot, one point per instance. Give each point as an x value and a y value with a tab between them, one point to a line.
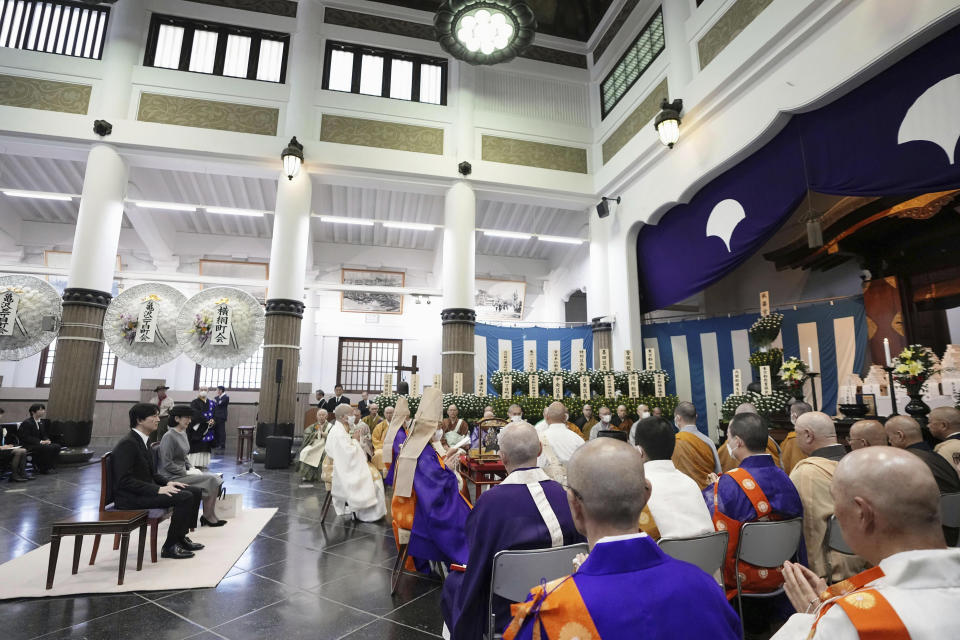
766	329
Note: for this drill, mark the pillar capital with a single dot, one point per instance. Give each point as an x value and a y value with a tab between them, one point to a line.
458	315
86	297
599	324
285	307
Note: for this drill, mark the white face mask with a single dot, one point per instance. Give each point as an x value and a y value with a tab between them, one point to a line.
730	449
605	418
645	414
350	419
516	418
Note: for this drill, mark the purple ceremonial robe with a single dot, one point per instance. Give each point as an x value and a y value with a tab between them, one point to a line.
775	484
398	441
440	515
504	517
632	590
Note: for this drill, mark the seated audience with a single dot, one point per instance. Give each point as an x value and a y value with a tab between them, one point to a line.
888	506
604	424
944	425
728	462
790	453
756	490
527	510
817	438
675	508
867	433
138	485
357	488
454	427
311	451
622	421
35	438
378	431
558	442
174	466
695	454
13	456
429	512
395	437
904	432
514	413
586	420
627	587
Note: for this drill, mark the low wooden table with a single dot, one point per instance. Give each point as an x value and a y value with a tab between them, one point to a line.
480	473
244	444
97	523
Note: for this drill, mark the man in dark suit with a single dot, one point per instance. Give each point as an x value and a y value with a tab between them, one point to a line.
363	405
137	485
337	399
904	432
220	418
33	437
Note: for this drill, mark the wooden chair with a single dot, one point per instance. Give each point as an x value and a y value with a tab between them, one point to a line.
154	516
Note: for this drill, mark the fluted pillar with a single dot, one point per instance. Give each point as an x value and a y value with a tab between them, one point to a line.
281	338
602	339
459	273
76	366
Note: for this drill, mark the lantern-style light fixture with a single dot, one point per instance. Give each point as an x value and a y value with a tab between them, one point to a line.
292	158
667	122
485	31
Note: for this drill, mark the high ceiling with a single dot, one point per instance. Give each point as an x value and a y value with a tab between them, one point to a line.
573	19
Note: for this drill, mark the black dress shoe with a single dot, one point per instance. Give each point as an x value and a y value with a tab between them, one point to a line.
189	544
18	479
175	552
206	523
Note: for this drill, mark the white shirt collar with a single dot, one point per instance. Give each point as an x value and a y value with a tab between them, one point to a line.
659	465
626	536
691	428
142	436
561	425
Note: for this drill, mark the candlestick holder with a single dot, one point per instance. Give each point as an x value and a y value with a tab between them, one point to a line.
892	391
813	388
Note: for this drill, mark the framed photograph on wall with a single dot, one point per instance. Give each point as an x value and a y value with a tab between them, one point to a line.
499	299
238	269
367	301
870	400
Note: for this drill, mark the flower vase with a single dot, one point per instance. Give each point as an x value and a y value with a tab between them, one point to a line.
797	392
917	408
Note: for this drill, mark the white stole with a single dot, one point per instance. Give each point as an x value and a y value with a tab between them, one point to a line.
532	479
352	482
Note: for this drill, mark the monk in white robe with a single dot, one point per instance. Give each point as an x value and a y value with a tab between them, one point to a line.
356	486
558	442
888	506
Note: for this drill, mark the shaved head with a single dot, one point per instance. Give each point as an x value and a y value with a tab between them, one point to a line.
746	407
342	411
943	422
903	431
556	413
867	433
607	489
519	446
887	501
815	430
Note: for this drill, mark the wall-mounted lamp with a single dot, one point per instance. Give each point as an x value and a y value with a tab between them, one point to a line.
292	158
667	122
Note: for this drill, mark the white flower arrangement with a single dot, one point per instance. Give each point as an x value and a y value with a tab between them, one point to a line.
793	372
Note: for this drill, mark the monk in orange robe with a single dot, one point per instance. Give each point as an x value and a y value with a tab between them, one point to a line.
695	454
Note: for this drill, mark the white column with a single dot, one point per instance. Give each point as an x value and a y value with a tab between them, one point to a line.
291	237
677	46
303	72
598	286
459	246
126	34
95	240
625	306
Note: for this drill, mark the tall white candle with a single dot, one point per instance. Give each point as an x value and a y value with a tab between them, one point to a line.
810	357
886	352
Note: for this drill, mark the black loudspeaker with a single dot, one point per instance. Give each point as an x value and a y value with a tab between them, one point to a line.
279	371
278	452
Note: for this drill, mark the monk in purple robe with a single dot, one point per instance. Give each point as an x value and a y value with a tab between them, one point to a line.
527	510
757	489
627	587
395	437
429	512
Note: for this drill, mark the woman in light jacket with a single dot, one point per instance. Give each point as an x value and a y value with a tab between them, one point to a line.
174	465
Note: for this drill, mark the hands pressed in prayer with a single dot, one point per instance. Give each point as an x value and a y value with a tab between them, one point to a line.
803	587
712	478
451	457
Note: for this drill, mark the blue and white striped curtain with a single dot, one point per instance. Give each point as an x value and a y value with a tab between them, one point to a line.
701	355
489	340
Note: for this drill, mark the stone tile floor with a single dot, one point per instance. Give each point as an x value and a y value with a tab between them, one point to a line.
296	580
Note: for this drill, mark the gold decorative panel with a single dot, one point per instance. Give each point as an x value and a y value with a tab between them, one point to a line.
207	114
645	112
534	154
728	27
49	95
380	134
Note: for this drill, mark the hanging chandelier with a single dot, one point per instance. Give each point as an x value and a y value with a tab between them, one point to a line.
485	31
